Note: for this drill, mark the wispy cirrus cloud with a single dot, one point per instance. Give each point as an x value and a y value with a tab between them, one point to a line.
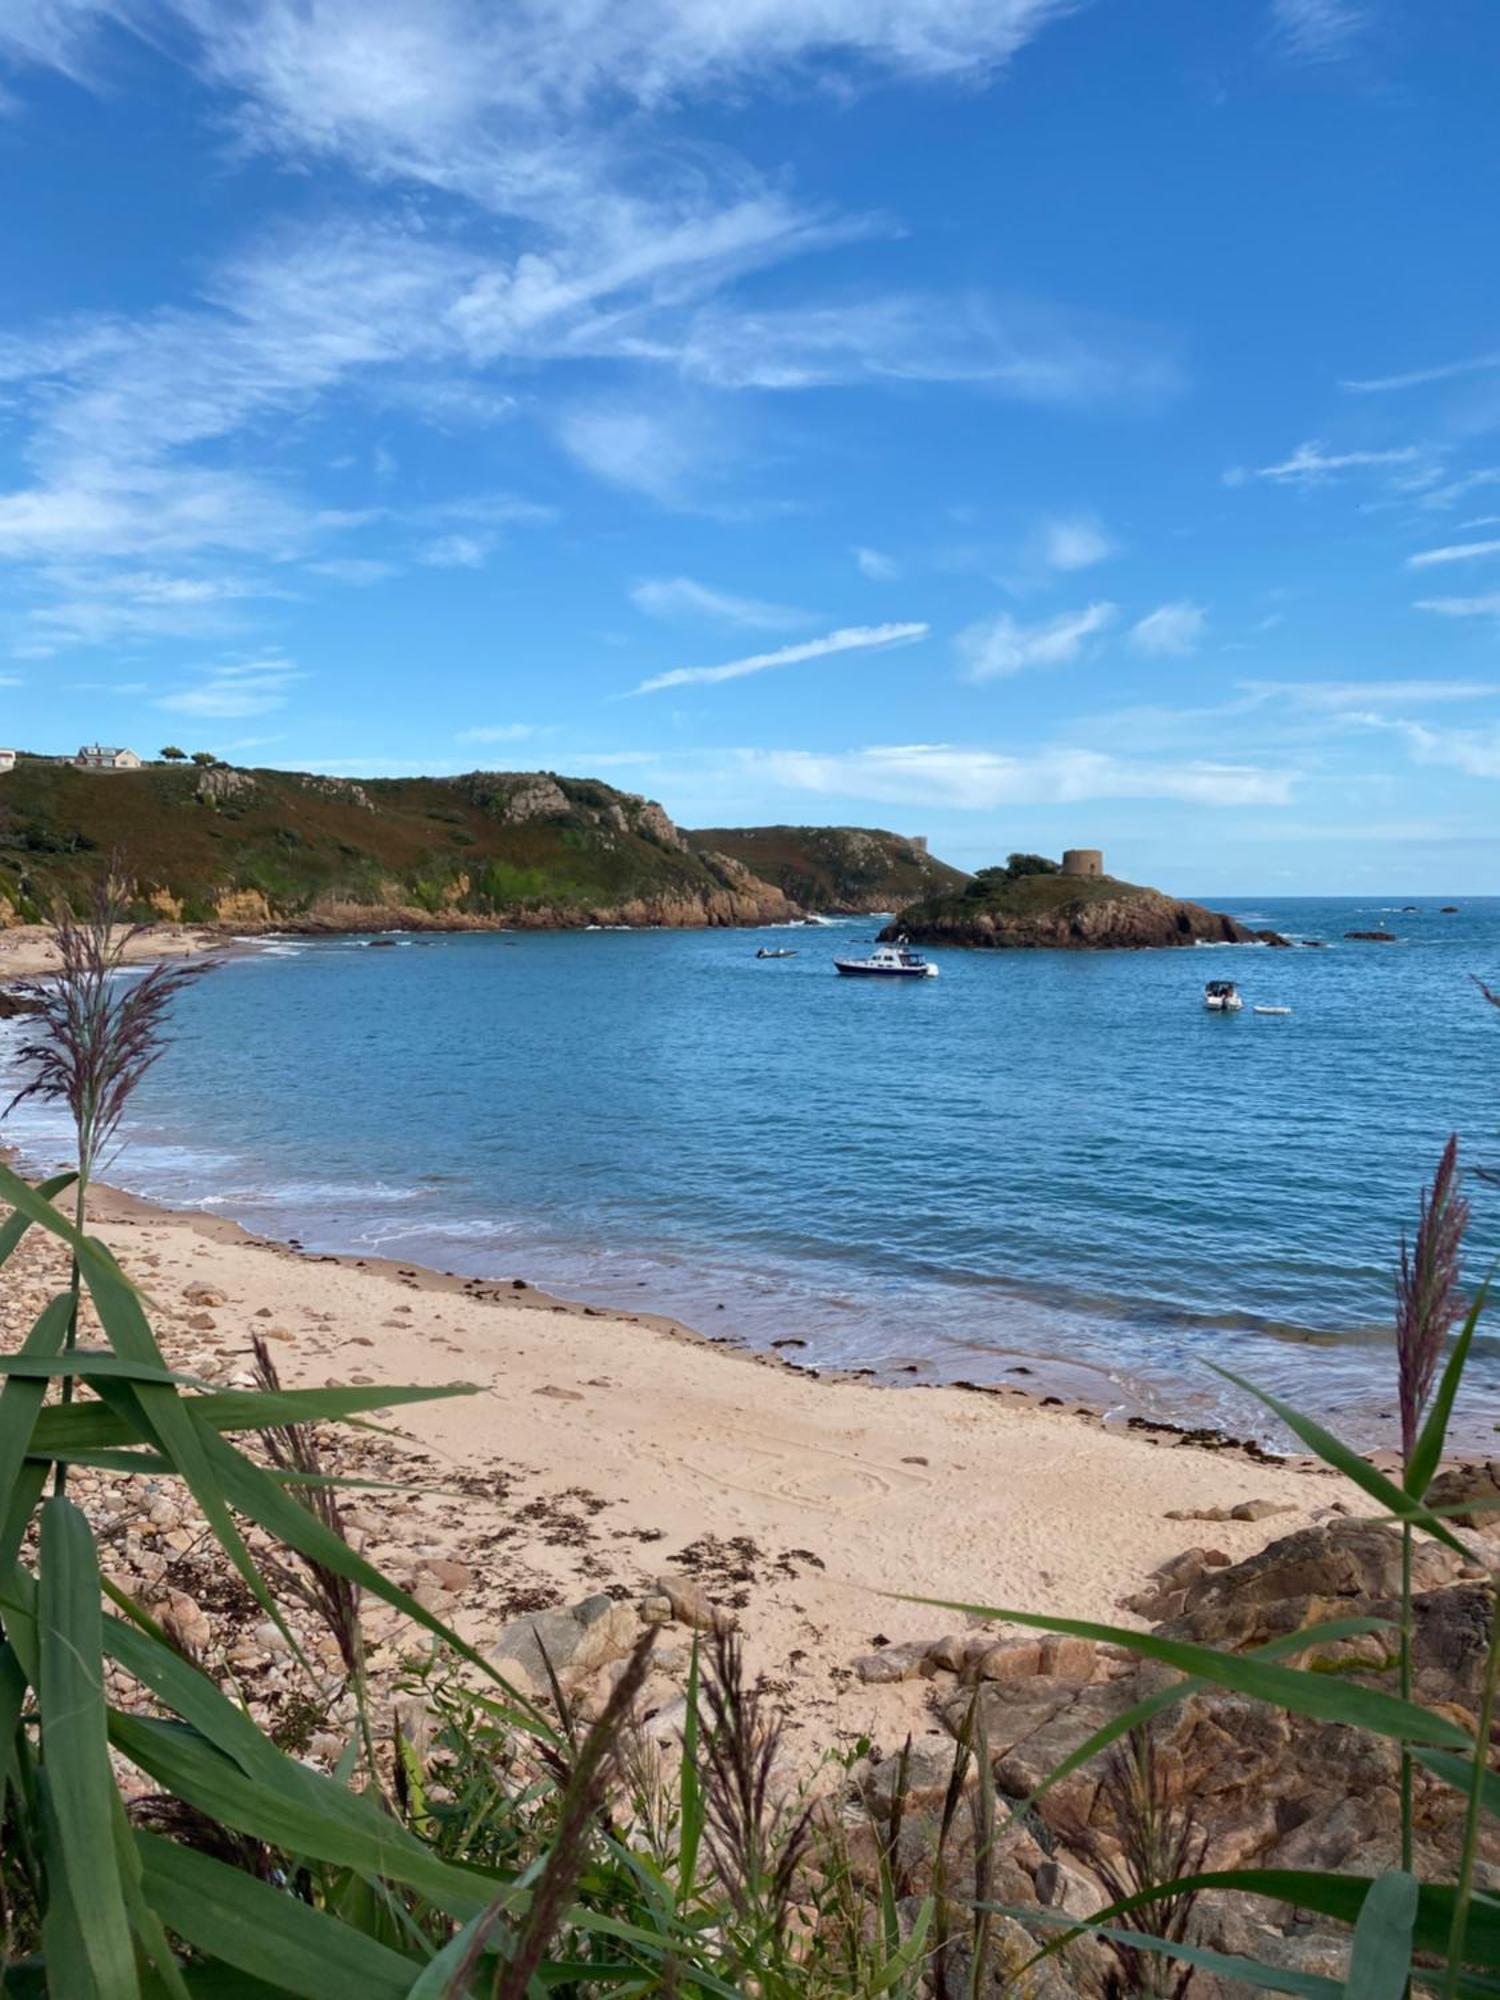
1453	552
1421	378
251	687
994	648
877	566
849	639
926	774
680	597
1312	463
498	732
1335	697
1485	606
1318	30
1170	631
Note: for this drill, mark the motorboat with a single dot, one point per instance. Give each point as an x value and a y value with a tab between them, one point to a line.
1270	1010
812	921
1221	996
888	961
775	951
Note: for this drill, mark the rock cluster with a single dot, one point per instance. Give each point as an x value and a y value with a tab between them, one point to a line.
1263	1788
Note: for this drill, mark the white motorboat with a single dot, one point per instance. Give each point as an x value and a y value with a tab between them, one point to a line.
775	951
1270	1010
1221	996
888	961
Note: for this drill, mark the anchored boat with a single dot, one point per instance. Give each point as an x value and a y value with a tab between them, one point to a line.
888	961
775	951
1221	996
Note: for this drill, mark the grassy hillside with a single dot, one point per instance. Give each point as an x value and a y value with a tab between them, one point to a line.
275	846
834	867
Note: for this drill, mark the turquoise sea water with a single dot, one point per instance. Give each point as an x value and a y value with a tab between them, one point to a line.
1044	1160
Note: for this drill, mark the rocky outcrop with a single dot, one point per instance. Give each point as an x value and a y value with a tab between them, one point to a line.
220	783
1072	918
1260	1787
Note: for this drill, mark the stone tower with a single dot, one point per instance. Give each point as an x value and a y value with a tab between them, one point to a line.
1083	861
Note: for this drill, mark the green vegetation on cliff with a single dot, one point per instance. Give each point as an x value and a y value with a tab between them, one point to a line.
834	867
1030	904
285	847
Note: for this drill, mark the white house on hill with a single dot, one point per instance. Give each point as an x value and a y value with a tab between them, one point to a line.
97	757
7	760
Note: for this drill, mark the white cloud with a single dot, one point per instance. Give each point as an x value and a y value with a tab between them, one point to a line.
360	571
455	552
877	566
1419	378
1312	462
1454	552
1475	752
1333	697
851	638
253	687
996	647
1171	630
1317	30
681	597
1026	350
1487	606
498	732
1072	542
1452	491
645	450
933	774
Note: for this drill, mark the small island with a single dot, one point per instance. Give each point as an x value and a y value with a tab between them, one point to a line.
1032	903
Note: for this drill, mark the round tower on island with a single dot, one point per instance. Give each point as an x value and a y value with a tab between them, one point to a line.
1087	861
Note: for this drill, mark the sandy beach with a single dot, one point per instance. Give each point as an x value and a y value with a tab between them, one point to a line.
602	1449
28	951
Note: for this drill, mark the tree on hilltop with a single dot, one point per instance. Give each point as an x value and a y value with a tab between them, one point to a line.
204	759
172	755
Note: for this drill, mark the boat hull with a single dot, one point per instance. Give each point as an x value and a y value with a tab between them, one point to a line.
851	969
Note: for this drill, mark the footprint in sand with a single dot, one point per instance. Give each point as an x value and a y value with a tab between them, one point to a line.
832	1482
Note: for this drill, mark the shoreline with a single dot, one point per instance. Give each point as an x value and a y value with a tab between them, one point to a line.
604	1448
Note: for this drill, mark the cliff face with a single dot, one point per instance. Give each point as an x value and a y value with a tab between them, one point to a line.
290	850
854	869
1060	912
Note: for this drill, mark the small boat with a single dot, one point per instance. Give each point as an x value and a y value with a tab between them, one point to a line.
888	961
1221	996
812	921
1270	1010
775	951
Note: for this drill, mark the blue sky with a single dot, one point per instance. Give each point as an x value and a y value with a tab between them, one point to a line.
1027	422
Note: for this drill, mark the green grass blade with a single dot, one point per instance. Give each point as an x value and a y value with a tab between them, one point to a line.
1380	1956
1248	1971
21	1400
1459	1772
1343	1458
1429	1446
1324	1697
90	1361
75	1747
87	1427
690	1787
263	1931
300	1820
19	1220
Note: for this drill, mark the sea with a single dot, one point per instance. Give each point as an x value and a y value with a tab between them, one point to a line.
1044	1170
